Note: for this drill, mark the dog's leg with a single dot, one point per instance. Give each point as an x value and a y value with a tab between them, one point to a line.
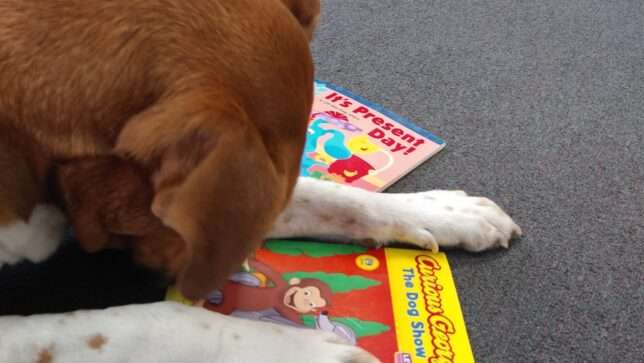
431	219
29	229
165	332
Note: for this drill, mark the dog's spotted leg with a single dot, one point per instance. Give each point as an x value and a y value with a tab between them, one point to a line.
165	332
431	219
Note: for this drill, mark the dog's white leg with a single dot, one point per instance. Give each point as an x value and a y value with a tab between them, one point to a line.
430	219
165	332
34	240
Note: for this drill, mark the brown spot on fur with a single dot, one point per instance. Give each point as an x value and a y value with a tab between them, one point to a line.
96	342
45	356
326	218
205	326
288	218
236	336
367	242
350	221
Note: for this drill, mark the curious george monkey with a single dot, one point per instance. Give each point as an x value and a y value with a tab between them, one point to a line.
291	299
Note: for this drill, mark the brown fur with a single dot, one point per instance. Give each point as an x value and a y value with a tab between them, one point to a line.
108	201
209	97
307	13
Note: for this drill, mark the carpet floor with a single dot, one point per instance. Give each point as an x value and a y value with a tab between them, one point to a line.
541	104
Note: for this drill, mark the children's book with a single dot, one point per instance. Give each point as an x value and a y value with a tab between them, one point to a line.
353	141
401	305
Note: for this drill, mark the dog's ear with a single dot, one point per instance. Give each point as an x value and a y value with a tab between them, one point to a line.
75	183
105	197
307	13
216	182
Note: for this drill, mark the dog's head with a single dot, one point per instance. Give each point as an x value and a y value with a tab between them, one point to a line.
220	148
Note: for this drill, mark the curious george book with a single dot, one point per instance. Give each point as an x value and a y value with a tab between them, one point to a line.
401	305
353	141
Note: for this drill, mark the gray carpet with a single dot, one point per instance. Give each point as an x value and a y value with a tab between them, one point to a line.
542	107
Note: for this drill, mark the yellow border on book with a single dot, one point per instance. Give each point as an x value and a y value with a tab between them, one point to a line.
428	317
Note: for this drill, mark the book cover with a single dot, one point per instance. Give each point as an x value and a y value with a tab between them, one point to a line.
401	305
353	141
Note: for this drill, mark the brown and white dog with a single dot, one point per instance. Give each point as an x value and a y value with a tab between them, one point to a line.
175	128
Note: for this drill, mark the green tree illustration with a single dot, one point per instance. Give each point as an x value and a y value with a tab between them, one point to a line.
338	282
362	328
312	249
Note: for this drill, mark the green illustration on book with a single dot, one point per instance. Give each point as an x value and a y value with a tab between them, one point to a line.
312	249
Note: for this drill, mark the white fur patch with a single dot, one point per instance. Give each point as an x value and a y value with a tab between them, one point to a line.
166	332
35	240
428	220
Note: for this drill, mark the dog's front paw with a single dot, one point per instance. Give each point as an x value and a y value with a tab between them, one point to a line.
314	346
253	341
453	219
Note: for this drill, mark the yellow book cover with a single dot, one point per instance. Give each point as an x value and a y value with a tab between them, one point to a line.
399	304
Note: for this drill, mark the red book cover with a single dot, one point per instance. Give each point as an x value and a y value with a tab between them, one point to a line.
401	305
